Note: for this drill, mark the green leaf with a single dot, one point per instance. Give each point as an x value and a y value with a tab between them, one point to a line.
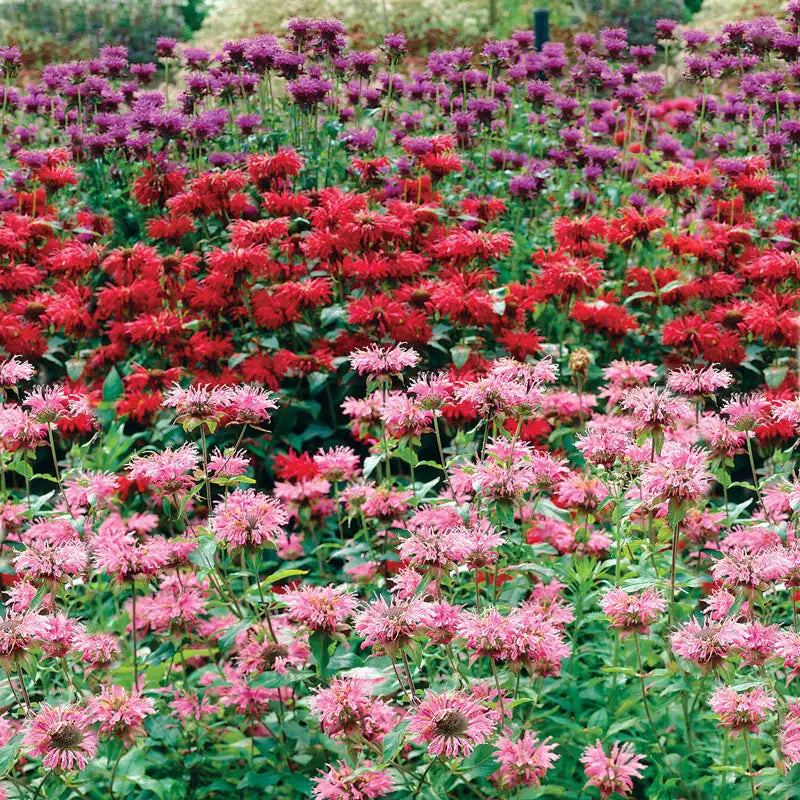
320	646
228	638
112	386
9	753
282	575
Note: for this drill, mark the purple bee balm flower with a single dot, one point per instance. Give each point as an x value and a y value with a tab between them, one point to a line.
309	92
143	73
247	123
10	60
395	45
165	47
196	57
665	29
584	42
290	65
362	62
483	109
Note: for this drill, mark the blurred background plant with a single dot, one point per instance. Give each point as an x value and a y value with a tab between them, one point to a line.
443	23
76	28
58	29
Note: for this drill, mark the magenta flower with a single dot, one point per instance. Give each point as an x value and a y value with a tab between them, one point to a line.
121	714
452	725
632	613
14	371
612	773
343	783
523	761
167	471
321	608
376	360
679	473
247	518
698	381
707	645
61	734
741	711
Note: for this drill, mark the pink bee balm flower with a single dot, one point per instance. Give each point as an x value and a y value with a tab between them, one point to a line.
197	404
49	404
432	391
790	734
707	645
321	608
679	473
654	409
347	710
337	463
741	711
18	428
612	773
18	633
343	783
98	650
746	412
62	735
428	547
524	761
741	567
52	562
632	613
248	405
452	725
121	714
13	371
375	360
168	470
228	464
389	627
696	382
622	375
246	518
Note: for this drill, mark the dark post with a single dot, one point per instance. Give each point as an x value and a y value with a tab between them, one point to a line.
541	27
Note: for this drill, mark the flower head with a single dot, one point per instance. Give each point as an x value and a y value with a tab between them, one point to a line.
247	518
322	608
62	735
632	613
523	761
452	725
376	360
614	772
741	711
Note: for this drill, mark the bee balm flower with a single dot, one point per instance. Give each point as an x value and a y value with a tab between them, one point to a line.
61	734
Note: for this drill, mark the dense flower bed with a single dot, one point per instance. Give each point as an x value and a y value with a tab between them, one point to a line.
373	428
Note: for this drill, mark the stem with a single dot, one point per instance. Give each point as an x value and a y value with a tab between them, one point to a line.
672	573
753	468
749	764
114	774
133	636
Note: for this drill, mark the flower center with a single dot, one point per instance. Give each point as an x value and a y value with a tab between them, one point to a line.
67	736
451	723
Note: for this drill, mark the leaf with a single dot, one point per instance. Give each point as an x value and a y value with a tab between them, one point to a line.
320	646
228	638
112	386
370	462
393	741
203	554
9	753
281	575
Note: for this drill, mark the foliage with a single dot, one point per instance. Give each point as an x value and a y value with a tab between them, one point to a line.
85	25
